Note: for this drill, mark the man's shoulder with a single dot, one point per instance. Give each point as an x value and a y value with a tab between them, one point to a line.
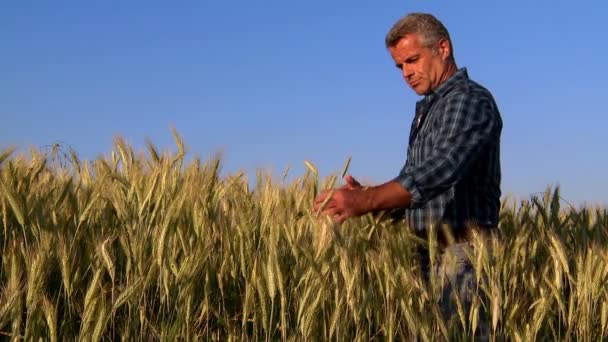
469	91
479	90
461	85
466	97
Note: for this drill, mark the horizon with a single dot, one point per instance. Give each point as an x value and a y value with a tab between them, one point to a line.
281	176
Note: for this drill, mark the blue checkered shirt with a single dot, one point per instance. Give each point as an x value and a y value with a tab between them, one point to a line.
453	159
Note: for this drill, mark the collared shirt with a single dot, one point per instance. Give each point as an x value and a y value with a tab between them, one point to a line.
453	159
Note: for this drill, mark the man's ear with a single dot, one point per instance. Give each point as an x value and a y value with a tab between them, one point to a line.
445	48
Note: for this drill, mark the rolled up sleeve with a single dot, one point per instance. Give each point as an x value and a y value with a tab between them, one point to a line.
465	126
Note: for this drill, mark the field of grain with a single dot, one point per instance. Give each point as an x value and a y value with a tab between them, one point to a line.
144	246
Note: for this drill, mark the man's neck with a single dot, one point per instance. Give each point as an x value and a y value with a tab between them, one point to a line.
449	72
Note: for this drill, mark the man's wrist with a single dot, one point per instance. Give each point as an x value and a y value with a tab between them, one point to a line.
371	200
390	195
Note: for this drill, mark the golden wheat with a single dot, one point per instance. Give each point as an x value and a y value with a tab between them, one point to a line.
149	247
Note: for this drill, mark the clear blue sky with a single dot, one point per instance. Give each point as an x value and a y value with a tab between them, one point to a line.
274	83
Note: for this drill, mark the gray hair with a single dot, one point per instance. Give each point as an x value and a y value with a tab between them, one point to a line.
429	29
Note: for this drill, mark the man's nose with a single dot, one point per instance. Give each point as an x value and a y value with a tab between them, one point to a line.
407	72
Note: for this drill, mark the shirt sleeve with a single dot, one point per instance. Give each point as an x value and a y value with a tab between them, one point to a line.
466	124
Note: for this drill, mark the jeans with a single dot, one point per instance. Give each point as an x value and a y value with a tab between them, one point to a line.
451	279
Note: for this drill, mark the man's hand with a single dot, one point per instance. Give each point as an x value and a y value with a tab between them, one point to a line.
347	201
354	200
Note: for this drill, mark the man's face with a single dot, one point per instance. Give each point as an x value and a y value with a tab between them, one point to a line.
422	67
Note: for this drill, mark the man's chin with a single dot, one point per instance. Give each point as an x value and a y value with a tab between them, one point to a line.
418	89
421	92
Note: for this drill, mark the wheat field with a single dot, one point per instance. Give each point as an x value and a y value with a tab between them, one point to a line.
144	246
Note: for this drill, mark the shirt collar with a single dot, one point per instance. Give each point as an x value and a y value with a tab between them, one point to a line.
460	76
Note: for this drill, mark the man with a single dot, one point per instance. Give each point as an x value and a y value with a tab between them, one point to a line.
452	173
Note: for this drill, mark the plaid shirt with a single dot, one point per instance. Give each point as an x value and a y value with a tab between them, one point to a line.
453	162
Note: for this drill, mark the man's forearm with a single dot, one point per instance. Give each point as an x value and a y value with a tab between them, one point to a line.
390	195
